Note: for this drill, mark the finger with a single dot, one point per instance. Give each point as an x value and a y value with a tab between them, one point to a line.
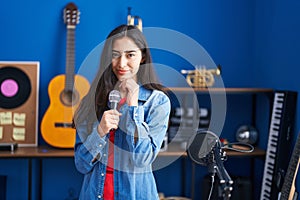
122	85
114	125
114	120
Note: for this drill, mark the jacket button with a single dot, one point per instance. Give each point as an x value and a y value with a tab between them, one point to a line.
99	196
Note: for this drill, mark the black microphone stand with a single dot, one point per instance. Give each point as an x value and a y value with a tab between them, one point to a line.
205	148
215	165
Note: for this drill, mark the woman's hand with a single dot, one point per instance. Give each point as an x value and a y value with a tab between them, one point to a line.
130	89
110	120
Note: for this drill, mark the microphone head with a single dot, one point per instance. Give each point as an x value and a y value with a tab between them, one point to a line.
201	145
114	98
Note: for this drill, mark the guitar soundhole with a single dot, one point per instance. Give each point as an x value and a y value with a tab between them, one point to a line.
69	97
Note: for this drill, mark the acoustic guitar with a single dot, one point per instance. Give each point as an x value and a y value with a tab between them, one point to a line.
65	92
288	190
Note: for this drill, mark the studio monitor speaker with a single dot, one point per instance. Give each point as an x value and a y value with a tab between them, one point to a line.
19	86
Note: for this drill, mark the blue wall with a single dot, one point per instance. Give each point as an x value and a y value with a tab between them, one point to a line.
256	42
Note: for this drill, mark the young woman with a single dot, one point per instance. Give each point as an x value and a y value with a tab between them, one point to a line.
115	149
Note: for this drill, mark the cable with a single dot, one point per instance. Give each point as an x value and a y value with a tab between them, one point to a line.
239	146
211	187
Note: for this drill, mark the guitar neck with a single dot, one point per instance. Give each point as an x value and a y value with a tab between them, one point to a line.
70	58
288	190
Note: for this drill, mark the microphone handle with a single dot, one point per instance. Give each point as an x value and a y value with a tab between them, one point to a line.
113	105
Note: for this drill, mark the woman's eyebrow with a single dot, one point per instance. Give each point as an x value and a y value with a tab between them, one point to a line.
127	51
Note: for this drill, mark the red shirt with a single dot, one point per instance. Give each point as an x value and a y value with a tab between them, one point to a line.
109	178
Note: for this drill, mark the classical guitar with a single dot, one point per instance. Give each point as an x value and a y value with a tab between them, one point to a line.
65	92
288	190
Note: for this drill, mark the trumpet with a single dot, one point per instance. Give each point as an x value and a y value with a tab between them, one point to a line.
132	19
201	77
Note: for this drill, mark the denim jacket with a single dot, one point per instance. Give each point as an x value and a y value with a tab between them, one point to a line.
133	157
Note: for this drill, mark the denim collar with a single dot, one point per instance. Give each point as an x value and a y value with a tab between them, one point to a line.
144	93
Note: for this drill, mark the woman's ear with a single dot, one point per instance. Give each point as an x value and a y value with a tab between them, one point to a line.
143	57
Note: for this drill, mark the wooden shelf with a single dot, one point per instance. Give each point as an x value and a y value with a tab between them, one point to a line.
173	150
219	90
36	152
176	150
50	152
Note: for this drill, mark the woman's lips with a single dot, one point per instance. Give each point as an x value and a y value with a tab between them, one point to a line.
122	72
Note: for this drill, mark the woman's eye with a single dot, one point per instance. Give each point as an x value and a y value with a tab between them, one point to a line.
130	55
115	55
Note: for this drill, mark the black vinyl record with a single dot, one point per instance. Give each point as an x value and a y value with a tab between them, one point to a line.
15	87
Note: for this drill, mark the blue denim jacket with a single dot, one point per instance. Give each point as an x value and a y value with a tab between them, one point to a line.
133	157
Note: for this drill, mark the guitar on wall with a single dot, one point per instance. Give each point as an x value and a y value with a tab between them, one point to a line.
288	190
65	92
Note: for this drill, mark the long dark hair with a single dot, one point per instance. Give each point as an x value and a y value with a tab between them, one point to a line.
95	102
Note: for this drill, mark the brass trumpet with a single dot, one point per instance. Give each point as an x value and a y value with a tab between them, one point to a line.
201	77
131	20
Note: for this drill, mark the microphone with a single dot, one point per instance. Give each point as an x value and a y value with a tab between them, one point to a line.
206	149
201	146
114	98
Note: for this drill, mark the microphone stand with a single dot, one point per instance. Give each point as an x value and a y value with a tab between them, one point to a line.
215	166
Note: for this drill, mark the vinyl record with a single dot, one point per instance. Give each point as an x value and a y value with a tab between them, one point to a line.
15	87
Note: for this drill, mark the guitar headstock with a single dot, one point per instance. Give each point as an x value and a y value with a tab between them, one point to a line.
71	15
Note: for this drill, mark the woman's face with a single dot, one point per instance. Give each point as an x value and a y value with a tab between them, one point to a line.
126	58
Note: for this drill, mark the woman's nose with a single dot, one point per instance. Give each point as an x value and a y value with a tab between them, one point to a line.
122	61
